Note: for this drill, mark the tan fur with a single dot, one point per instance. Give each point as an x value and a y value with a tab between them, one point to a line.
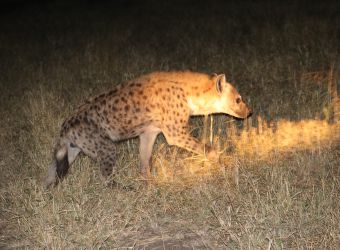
144	107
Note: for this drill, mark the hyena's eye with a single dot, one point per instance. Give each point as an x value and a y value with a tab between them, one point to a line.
238	100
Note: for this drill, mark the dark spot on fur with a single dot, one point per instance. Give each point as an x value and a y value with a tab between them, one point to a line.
86	120
127	108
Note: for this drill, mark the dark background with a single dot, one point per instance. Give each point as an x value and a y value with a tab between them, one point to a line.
262	46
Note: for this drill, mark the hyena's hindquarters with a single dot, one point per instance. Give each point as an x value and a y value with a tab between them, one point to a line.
63	157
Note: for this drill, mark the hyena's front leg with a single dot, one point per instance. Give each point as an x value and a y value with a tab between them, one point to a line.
180	137
146	143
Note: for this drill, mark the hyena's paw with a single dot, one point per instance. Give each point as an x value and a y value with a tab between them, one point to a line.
212	154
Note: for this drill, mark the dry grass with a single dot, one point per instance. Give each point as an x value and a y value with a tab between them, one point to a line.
277	183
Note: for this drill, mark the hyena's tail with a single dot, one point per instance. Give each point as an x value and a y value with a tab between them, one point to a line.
59	166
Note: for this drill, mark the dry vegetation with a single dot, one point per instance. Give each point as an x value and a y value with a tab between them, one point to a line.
277	184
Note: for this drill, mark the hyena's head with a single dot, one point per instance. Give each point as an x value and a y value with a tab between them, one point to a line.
228	100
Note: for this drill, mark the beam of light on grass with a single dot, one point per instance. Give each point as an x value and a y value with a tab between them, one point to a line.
253	143
285	136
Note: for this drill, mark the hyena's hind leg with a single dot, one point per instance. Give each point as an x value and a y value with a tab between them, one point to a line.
64	156
101	149
106	157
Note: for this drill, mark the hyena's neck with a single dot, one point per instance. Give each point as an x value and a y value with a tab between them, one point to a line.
202	105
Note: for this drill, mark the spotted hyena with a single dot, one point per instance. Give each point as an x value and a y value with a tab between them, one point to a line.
160	102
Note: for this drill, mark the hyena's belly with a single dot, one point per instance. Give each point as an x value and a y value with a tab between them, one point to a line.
129	125
116	132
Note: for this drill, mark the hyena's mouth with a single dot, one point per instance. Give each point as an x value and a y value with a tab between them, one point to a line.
243	114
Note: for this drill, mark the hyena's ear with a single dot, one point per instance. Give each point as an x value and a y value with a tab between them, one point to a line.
220	83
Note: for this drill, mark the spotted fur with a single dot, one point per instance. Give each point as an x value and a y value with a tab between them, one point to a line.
160	102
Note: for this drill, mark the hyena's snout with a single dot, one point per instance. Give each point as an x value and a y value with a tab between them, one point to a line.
246	112
242	110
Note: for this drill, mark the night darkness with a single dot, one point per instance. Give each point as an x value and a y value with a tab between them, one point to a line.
276	183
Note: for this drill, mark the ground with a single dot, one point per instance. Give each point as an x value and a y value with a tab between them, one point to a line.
277	183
